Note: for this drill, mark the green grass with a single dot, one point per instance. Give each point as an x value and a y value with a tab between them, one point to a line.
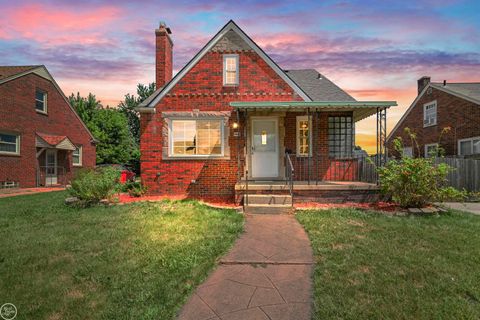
372	266
137	261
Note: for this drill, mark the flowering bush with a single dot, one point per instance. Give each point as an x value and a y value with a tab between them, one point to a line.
416	182
91	186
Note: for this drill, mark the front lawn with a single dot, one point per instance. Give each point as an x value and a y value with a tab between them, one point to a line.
137	261
372	266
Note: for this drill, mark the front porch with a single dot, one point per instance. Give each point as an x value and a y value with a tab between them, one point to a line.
307	150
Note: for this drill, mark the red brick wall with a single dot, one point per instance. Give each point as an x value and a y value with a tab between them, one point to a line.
202	88
460	115
319	165
18	115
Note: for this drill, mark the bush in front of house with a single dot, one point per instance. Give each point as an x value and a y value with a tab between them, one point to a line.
134	188
416	182
91	186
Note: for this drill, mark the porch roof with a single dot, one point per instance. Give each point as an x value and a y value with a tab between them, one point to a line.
361	109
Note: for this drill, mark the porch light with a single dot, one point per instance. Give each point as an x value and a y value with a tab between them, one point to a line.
235	125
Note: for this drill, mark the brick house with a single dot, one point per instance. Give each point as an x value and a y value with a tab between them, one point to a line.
438	106
42	140
232	120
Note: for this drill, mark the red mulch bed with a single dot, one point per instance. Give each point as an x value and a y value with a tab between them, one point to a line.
380	206
126	198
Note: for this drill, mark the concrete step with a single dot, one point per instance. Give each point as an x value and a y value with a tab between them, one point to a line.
268	209
269	199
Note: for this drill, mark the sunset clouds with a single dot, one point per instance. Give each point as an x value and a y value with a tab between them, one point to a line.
373	49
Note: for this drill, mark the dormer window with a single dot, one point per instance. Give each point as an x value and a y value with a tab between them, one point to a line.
40	101
230	69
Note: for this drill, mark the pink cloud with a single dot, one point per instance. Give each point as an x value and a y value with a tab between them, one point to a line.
51	25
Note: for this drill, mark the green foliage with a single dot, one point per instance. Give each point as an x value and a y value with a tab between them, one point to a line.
109	127
90	186
116	143
128	106
416	182
134	188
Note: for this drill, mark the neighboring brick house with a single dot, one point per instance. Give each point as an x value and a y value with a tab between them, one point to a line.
438	106
42	140
233	114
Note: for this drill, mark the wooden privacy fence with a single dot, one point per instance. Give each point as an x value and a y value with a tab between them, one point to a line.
465	173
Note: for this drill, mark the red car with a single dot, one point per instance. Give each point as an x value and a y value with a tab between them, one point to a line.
126	174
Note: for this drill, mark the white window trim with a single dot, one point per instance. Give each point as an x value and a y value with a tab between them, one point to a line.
425	148
434	102
237	62
463	140
195	156
16	153
304	118
80	157
45	101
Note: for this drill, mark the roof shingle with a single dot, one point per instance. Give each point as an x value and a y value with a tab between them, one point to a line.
8	71
317	86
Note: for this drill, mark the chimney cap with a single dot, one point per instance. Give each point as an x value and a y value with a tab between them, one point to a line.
163	25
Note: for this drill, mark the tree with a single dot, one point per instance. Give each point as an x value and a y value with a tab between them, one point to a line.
128	106
116	144
109	127
85	107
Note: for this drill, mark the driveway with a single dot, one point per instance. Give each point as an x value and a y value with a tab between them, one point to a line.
266	275
472	207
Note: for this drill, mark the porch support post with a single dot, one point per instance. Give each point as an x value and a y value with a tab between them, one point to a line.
316	154
381	136
309	122
237	133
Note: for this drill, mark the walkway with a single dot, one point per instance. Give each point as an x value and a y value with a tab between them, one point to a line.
267	275
4	193
472	207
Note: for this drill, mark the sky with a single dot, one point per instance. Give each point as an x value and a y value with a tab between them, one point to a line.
375	50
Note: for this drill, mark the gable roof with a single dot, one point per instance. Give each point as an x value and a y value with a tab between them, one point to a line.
317	86
151	101
59	142
467	91
14	72
8	71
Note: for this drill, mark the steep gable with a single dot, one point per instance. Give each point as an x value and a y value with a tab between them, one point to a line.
229	39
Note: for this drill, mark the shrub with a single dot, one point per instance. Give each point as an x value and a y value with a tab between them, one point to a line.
134	188
416	182
91	186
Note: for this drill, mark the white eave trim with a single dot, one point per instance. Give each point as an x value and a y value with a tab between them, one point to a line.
229	26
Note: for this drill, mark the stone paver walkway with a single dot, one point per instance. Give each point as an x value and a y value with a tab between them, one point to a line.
472	207
267	275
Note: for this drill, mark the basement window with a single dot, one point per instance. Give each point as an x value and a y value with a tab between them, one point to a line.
230	69
194	138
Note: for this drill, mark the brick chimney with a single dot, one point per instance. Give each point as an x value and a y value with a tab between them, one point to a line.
163	55
422	83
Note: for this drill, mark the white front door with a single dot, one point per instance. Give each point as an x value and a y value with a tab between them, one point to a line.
264	148
51	167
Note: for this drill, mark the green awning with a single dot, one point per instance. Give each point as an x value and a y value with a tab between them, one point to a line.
360	109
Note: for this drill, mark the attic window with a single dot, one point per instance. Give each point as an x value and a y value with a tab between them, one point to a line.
40	101
230	69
